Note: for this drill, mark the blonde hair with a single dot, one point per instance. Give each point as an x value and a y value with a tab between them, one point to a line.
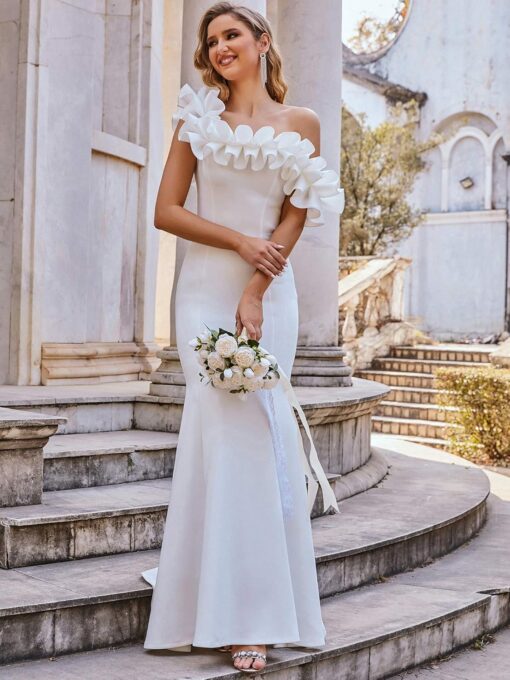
258	24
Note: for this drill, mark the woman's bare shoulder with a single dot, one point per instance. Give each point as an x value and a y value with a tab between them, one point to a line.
305	121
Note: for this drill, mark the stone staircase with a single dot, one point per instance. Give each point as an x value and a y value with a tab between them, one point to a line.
71	565
410	410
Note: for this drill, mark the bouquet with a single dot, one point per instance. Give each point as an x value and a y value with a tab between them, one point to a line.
234	362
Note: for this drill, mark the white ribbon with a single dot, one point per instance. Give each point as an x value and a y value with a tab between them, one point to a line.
328	494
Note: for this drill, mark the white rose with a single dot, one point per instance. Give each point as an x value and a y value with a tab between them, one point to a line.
249	373
252	384
228	373
260	369
218	382
204	353
225	345
205	337
237	376
194	342
270	380
244	357
265	362
216	361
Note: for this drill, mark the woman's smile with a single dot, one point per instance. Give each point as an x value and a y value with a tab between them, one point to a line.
226	61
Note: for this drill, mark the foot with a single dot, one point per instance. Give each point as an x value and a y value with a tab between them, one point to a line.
249	662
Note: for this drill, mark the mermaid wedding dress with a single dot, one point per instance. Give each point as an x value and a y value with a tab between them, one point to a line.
237	562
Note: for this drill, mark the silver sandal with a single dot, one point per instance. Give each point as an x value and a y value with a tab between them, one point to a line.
251	653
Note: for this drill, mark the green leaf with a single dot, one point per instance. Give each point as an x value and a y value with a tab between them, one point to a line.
221	331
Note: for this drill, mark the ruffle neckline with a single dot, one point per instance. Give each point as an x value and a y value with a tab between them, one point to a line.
311	183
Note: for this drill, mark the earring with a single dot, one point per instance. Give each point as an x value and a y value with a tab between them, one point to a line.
263	68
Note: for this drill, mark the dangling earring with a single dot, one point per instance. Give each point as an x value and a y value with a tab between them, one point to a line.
263	68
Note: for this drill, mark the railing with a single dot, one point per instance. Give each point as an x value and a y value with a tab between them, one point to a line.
371	307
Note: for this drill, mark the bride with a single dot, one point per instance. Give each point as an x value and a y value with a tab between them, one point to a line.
237	568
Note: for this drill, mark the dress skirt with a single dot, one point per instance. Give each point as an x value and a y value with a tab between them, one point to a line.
234	567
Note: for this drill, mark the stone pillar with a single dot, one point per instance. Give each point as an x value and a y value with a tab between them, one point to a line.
80	134
168	379
311	46
23	435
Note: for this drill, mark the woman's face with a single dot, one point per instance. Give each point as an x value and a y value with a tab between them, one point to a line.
233	51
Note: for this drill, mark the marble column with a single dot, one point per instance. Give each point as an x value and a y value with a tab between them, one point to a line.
311	47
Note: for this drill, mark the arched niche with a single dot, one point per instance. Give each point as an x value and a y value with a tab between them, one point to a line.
467	161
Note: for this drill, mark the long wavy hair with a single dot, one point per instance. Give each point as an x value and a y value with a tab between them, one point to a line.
258	24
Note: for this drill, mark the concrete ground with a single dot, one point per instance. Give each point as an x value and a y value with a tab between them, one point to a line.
489	658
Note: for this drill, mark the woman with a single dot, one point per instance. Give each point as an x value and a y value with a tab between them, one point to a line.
237	568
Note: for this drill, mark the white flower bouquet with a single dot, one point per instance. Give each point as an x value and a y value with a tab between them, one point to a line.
234	362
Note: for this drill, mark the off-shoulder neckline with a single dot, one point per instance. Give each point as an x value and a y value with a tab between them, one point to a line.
253	132
274	134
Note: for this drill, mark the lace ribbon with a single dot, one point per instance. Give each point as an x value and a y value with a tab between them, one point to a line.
328	495
280	456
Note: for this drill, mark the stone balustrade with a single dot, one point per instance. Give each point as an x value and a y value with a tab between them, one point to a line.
501	356
371	308
23	435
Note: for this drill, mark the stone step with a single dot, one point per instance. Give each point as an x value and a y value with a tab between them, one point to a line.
371	632
398	379
399	409
413	395
74	461
104	520
407	426
445	352
421	510
79	523
435	443
487	658
88	408
420	365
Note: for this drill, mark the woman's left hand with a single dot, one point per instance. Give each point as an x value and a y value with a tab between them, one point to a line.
250	314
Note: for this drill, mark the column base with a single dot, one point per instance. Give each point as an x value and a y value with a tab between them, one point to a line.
318	366
314	366
80	363
168	379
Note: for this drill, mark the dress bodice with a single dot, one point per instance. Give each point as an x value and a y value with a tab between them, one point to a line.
243	175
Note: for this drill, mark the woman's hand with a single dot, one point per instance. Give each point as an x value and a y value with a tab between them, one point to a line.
250	314
262	254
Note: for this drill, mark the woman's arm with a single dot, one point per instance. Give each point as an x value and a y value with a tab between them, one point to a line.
171	216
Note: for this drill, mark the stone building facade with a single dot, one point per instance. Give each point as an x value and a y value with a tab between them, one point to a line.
456	54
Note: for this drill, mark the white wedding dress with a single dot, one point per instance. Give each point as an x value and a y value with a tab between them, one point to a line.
237	563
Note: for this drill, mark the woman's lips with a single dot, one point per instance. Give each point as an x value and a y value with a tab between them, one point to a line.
227	63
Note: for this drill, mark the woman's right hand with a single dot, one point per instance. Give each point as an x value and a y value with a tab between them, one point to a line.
263	254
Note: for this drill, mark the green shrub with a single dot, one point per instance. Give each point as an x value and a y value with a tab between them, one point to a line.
480	417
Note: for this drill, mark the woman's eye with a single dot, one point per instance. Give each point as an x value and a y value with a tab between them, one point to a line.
210	44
